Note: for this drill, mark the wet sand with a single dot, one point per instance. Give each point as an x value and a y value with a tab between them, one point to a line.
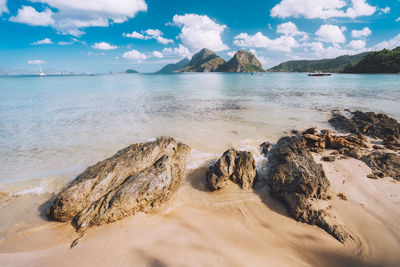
230	227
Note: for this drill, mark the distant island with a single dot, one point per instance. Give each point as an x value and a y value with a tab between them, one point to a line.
325	65
207	61
384	61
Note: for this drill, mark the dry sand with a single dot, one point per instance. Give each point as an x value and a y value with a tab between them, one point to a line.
226	228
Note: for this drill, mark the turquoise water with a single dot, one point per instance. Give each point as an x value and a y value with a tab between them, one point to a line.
51	128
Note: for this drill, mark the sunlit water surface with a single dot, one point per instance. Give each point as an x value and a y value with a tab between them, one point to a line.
51	128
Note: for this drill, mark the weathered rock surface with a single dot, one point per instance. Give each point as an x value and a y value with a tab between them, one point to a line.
371	124
384	164
298	182
237	166
242	61
137	178
204	61
352	145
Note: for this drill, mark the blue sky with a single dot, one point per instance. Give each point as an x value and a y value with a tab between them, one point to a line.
103	35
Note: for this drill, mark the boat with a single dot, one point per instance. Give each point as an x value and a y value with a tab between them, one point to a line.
319	74
41	73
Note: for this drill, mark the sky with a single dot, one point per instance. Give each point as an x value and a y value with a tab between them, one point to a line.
100	36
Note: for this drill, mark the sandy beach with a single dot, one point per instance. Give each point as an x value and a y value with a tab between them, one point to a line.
227	227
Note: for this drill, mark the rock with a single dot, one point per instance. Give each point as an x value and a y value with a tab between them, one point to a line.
265	148
328	158
237	166
137	178
298	182
242	61
317	142
219	174
204	61
383	164
371	124
245	170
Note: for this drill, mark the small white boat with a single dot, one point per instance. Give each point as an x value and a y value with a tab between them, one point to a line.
41	73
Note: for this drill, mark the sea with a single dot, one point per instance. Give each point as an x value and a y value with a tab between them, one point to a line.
52	128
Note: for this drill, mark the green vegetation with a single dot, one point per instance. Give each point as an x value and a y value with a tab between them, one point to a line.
204	61
384	61
326	65
242	61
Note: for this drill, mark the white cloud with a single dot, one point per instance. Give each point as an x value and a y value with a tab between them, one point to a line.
134	35
385	10
357	44
158	54
331	34
104	46
163	40
134	54
149	34
230	53
322	9
398	19
44	41
71	16
152	32
180	51
258	40
36	62
290	29
389	44
361	33
3	7
199	32
29	15
72	41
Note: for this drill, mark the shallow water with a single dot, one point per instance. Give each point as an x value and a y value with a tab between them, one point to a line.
52	128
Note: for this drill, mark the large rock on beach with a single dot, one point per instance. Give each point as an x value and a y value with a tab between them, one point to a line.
138	178
237	166
384	164
299	182
371	124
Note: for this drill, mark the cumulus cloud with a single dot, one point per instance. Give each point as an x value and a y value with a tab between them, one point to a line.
134	35
331	34
3	7
181	51
361	33
29	15
230	53
149	34
44	41
158	54
322	9
199	31
104	46
290	29
357	44
389	44
71	16
284	43
398	19
134	54
385	10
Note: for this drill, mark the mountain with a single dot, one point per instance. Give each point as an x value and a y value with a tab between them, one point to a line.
171	68
204	61
326	65
242	61
131	71
384	61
